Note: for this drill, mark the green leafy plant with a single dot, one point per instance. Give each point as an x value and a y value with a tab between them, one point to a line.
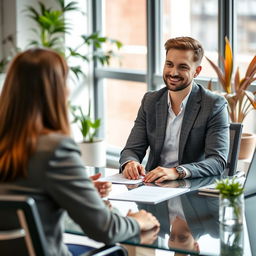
231	190
50	31
235	89
52	28
229	187
87	126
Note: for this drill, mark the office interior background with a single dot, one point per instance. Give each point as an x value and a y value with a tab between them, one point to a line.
142	26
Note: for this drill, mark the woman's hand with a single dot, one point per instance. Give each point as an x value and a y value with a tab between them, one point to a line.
149	236
145	219
103	187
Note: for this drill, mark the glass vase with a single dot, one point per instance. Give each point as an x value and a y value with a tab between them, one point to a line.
231	210
231	240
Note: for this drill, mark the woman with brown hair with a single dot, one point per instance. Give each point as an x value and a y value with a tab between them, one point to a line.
38	158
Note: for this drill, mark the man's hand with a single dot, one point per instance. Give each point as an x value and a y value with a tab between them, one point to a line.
161	174
133	170
103	187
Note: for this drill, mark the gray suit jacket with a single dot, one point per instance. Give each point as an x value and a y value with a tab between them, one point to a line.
204	137
57	180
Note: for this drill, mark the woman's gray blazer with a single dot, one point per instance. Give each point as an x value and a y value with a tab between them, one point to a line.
57	180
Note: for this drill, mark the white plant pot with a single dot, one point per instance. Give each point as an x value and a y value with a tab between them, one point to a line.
94	153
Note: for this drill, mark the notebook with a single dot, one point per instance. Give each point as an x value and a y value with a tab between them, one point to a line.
249	182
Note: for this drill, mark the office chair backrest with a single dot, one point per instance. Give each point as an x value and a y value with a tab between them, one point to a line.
234	147
21	231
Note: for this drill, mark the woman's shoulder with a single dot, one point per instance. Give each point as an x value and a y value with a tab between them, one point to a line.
52	141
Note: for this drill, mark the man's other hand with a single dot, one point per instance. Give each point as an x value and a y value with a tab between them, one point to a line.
133	170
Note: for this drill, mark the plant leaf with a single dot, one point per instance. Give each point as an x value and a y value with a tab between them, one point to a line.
251	98
228	65
219	73
209	85
237	80
251	70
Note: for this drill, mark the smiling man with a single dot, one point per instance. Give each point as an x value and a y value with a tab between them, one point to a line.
184	125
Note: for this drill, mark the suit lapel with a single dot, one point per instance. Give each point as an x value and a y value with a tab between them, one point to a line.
190	115
161	121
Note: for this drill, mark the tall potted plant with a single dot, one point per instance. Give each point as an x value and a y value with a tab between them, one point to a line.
240	100
52	28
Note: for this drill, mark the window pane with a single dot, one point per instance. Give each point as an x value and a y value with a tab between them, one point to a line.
195	18
125	20
246	33
122	103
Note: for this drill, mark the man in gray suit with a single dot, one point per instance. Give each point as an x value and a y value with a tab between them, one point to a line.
185	126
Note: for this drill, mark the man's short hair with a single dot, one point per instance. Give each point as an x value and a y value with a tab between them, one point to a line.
186	43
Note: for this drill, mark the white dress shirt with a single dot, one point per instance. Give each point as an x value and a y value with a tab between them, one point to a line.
170	150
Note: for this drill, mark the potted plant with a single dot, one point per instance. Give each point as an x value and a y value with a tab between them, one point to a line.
52	28
240	100
92	148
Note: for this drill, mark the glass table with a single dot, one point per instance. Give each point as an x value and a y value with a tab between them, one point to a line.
188	223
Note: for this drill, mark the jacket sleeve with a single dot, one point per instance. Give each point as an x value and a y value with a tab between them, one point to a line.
216	146
137	143
70	187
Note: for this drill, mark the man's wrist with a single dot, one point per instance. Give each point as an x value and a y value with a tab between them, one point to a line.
124	164
181	172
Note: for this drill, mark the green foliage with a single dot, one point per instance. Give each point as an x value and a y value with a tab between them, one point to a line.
51	30
3	63
9	40
87	126
229	187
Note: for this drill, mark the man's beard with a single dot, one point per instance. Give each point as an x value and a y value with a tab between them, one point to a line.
175	88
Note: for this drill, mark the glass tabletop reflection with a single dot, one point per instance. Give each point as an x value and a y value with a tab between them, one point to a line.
188	223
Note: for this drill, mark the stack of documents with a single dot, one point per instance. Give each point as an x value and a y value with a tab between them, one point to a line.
144	193
148	194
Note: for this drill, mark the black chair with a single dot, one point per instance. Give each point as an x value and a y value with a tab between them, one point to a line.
21	231
234	147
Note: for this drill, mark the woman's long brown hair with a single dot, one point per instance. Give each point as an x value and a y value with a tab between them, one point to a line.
33	100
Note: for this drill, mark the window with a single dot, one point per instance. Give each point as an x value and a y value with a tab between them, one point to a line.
125	20
122	104
195	18
246	33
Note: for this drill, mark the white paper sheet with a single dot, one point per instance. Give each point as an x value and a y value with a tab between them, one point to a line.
148	194
120	179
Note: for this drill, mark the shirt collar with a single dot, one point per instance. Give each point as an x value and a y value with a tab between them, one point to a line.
183	103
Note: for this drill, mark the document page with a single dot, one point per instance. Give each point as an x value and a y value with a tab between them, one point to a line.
148	194
120	179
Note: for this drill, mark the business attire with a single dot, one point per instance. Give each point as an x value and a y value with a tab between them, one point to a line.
57	180
204	134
